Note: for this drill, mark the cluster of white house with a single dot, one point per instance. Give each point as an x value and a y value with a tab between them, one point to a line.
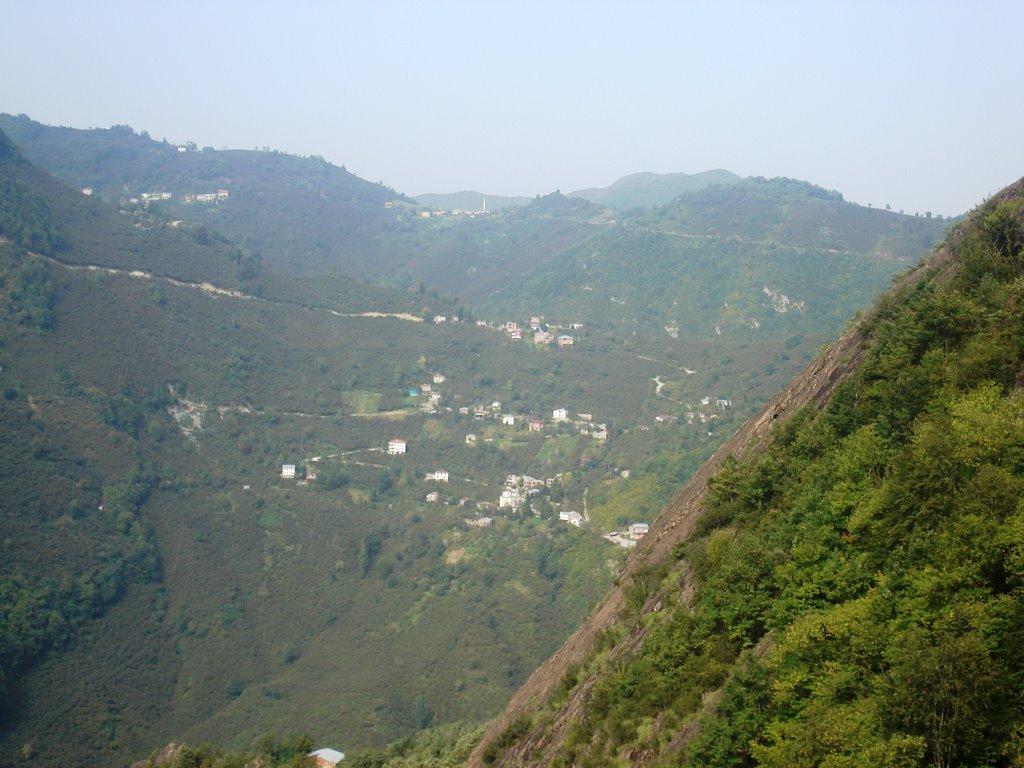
289	472
154	197
708	402
433	396
442	212
781	303
516	493
542	334
151	197
518	488
718	401
206	197
584	422
426	213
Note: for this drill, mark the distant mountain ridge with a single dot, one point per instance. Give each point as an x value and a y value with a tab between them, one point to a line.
638	190
648	190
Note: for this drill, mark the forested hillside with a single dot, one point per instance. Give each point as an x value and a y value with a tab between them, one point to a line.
154	383
205	523
846	588
735	288
725	262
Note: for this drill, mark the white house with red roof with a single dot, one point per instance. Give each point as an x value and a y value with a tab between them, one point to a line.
327	757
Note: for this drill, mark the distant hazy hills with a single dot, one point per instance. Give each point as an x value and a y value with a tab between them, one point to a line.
647	190
749	261
309	218
638	190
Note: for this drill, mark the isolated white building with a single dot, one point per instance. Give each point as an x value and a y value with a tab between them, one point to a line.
327	758
638	530
510	499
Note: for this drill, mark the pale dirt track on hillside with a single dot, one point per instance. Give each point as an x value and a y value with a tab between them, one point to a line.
213	290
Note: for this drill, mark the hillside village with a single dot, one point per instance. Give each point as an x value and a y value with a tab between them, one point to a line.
146	198
491	422
454	212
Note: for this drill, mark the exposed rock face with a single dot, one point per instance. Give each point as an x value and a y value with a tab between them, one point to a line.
813	387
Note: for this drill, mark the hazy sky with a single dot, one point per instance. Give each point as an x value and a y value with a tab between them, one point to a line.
914	104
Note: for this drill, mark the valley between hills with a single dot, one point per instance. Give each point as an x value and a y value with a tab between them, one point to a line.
313	458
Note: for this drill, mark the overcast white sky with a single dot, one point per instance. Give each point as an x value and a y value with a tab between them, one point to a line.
913	104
